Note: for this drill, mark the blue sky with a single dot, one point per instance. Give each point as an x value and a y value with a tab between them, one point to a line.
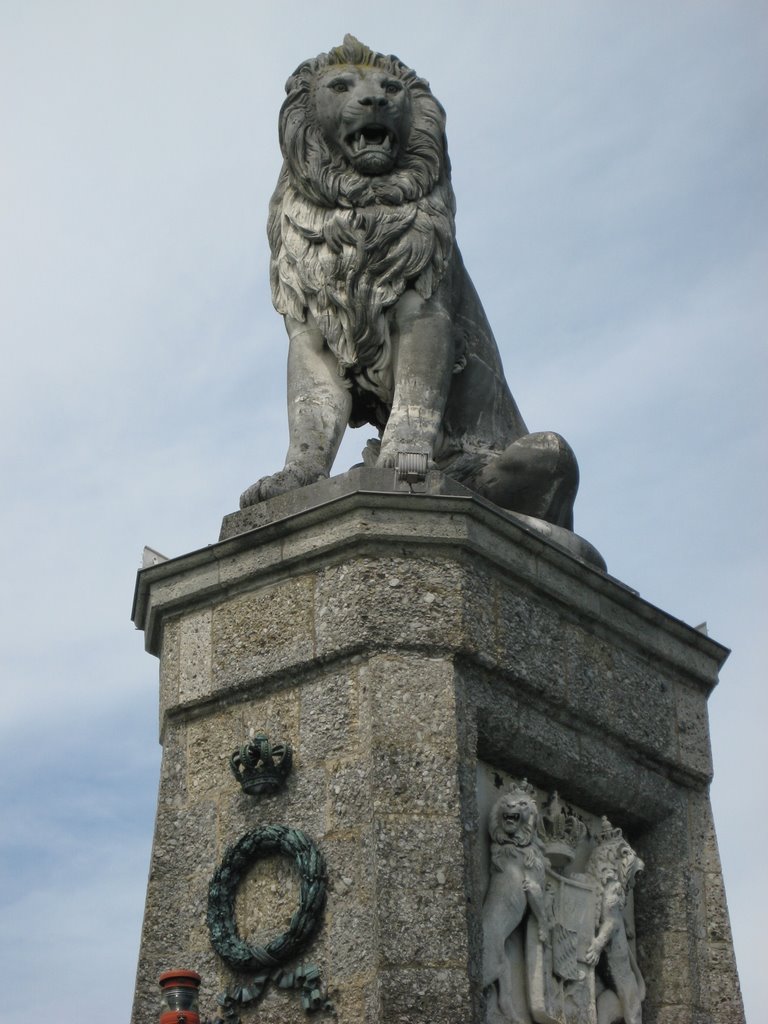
610	170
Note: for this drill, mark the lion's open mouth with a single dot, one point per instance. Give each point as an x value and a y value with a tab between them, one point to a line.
519	831
372	136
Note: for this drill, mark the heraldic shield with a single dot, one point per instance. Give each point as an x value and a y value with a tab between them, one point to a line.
561	984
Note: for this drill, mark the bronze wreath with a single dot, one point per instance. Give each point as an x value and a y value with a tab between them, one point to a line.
258	843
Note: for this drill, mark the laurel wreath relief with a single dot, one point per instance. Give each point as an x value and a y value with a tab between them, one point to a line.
267	960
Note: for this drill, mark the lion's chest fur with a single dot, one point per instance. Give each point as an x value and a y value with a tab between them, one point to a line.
511	867
347	266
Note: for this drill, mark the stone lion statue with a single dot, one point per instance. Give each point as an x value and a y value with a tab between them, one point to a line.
384	324
614	865
518	870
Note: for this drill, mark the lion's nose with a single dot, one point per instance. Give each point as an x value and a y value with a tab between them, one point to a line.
371	100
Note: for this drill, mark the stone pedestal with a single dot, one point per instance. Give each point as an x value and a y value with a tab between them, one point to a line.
396	640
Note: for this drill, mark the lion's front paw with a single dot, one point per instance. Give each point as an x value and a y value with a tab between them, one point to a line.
288	479
386	460
387	457
251	495
593	953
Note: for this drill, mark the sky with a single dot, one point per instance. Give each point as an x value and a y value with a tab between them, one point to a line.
612	185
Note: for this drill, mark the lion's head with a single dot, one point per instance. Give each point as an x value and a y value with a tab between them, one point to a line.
358	127
363	208
514	819
613	862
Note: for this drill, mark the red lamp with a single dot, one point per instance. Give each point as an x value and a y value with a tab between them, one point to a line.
179	1003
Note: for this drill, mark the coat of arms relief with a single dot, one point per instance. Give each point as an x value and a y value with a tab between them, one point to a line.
558	920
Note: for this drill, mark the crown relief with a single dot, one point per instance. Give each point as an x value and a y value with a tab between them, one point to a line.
261	767
560	831
607	833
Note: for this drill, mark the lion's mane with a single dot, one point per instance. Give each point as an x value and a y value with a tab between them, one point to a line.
345	245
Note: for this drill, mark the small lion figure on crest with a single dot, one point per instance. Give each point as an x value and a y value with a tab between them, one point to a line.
614	866
516	885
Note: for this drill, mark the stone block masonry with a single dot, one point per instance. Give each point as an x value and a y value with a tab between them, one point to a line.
396	640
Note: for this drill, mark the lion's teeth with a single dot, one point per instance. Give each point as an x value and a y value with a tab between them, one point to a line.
386	144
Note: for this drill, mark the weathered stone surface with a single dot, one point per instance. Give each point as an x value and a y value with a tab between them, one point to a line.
622	692
694	750
391	663
419	996
195	656
421	892
263	633
169	667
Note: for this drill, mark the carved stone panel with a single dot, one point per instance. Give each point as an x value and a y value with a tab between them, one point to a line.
558	914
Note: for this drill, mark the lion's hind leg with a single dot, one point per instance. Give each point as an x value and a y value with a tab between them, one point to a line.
503	958
512	983
536	475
